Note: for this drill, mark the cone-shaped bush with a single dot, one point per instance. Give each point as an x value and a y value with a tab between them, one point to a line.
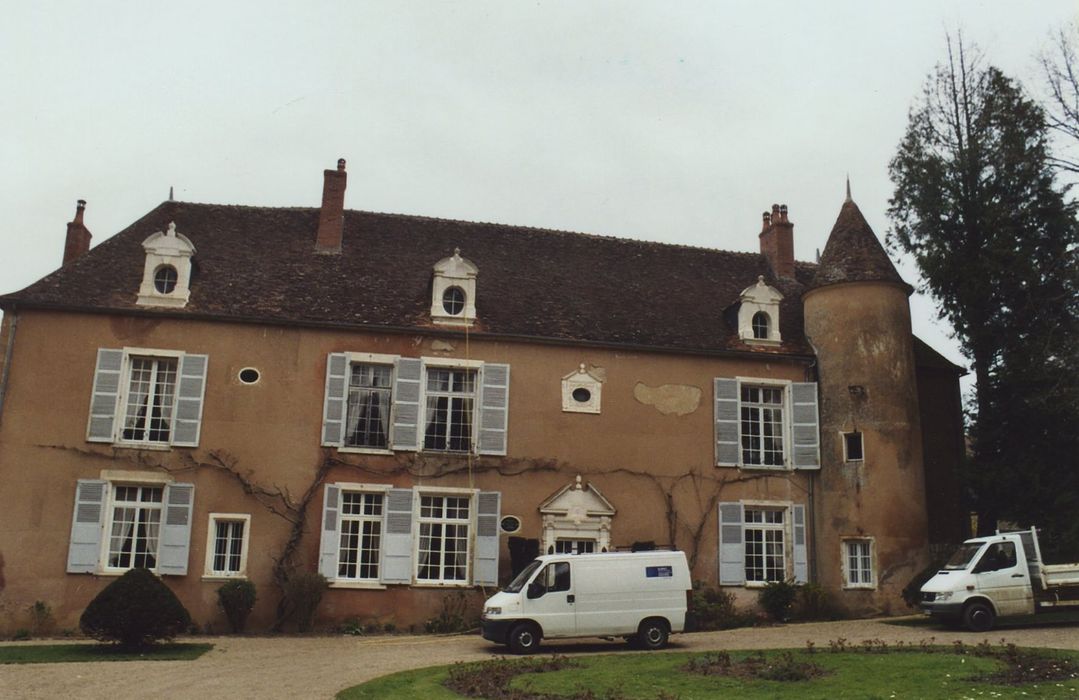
135	610
237	598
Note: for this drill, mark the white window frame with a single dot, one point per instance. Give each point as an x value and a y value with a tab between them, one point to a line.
131	354
845	553
787	424
843	438
209	572
115	478
477	392
418	521
360	490
787	529
369	358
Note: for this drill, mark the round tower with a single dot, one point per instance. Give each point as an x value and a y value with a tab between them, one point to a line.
870	512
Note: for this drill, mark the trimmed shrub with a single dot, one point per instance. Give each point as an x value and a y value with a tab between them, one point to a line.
135	610
777	598
237	598
303	593
714	609
814	603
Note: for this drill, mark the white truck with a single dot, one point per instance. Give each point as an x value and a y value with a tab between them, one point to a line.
998	576
642	596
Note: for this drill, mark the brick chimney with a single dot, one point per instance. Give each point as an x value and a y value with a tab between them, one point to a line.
331	218
777	241
78	236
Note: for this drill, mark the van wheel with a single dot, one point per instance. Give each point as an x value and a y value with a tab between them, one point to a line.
978	617
524	638
653	634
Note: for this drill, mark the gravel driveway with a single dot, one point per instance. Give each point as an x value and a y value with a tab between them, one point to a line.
319	667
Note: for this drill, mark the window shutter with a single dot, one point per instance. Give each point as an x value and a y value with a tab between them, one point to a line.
406	404
805	426
801	551
331	537
84	548
176	530
106	392
726	412
333	408
397	537
732	552
187	423
485	565
494	409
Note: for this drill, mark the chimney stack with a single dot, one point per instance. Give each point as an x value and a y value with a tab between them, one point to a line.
78	236
777	241
331	219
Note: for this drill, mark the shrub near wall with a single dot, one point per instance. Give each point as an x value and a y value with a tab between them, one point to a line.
135	610
237	598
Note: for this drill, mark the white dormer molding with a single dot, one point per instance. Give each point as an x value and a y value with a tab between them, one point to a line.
447	306
759	299
164	252
575	512
582	391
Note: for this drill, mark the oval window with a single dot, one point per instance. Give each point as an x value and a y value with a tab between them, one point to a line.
510	524
582	395
249	375
453	300
165	279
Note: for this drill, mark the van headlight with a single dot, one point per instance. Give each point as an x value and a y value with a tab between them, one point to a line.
942	596
492	611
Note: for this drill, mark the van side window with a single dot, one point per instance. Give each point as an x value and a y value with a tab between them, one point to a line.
557	577
999	556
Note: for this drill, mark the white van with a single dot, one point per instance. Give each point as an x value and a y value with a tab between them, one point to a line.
640	595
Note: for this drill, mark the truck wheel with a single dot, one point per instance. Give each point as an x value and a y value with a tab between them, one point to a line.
653	634
978	617
524	638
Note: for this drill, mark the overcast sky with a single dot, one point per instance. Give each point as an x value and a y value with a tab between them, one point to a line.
668	121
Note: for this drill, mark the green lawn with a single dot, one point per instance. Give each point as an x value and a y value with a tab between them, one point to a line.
644	676
63	653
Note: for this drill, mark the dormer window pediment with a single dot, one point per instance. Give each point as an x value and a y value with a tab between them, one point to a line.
758	314
582	391
166	274
453	291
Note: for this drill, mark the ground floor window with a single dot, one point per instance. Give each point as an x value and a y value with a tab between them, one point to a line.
443	542
228	544
858	563
134	526
361	536
568	546
764	547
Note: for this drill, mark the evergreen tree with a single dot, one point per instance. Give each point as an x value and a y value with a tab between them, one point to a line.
976	204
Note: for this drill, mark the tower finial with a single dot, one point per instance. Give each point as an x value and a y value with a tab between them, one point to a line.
848	199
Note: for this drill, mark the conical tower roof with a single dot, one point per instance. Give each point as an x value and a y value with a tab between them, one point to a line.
853	253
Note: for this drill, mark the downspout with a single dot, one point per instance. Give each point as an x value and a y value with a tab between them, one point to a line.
8	350
811	376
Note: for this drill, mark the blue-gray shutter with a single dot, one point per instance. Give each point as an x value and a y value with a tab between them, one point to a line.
333	408
494	409
84	547
805	426
732	551
331	535
101	426
406	404
187	420
485	563
726	414
397	537
801	551
175	544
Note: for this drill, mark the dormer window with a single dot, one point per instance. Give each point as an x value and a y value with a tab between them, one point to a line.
758	314
166	276
582	391
453	291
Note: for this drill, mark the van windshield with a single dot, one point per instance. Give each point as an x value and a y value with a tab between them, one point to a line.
518	583
963	556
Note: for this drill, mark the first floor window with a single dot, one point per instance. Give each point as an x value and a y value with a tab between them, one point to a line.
150	397
368	421
451	397
361	536
858	562
765	557
762	426
134	526
442	554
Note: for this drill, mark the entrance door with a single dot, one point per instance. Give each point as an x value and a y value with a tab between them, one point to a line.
550	600
1005	579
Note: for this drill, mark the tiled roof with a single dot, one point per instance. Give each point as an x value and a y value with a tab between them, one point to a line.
260	264
853	253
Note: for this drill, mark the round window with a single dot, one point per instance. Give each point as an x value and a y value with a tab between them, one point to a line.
165	279
510	524
453	300
249	375
582	395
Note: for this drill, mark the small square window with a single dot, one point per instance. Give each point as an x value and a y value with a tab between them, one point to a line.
852	447
858	563
227	541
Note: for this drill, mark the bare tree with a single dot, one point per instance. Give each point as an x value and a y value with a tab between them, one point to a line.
1060	68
